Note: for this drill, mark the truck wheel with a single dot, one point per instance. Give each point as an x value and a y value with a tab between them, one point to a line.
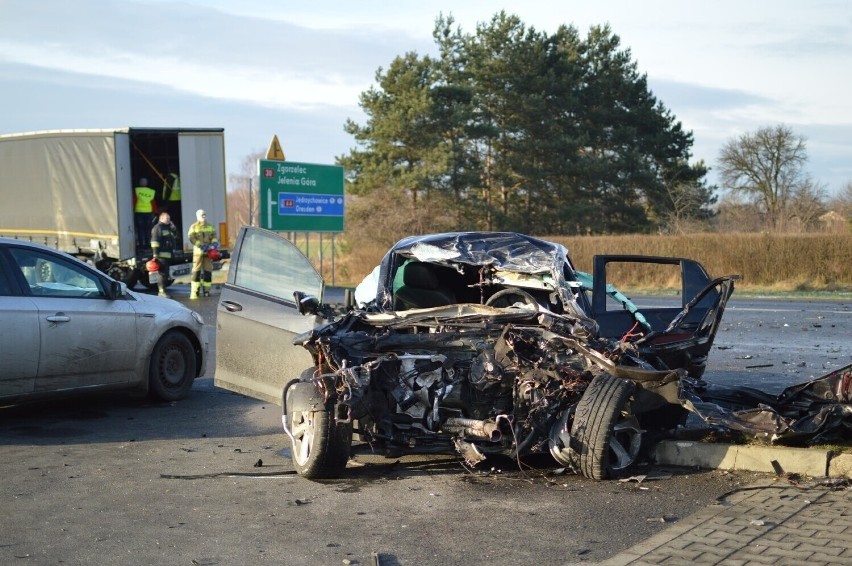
127	276
606	435
172	368
319	444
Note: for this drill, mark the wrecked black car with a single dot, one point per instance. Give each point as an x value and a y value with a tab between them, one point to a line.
472	343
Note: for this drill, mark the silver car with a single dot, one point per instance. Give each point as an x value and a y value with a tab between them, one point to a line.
66	327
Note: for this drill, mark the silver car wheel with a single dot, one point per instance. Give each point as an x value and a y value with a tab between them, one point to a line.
173	366
625	442
302	427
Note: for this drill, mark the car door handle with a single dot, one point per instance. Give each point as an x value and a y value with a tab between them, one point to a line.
232	307
58	317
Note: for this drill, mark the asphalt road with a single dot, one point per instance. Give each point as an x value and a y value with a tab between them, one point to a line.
115	480
771	344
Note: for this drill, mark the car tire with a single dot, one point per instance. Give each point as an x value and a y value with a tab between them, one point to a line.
319	444
606	436
132	279
172	367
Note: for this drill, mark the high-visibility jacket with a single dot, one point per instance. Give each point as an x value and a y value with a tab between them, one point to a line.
201	234
172	182
144	199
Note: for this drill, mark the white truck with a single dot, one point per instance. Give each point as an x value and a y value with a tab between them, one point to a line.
73	190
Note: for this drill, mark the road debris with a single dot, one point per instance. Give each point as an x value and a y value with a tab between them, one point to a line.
817	411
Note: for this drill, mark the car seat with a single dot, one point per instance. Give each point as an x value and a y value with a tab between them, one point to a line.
421	288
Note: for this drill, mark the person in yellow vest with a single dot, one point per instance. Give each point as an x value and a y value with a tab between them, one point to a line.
144	208
171	192
203	237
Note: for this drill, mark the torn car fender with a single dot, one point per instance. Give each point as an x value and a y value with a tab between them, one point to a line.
303	396
300	395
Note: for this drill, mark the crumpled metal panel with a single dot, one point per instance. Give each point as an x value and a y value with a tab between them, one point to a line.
507	251
817	411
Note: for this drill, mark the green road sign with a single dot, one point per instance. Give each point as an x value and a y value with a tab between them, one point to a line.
300	197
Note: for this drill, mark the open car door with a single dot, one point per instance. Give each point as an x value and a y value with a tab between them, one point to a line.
678	335
257	316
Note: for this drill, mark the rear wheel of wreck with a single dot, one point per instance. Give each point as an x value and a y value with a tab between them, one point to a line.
319	444
606	436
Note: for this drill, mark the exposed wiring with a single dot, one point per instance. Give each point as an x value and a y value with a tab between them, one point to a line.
630	333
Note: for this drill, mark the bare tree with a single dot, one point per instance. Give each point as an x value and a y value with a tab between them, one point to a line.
767	166
736	215
686	213
841	203
806	206
243	204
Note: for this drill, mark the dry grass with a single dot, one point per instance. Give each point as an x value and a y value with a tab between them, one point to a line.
779	262
774	263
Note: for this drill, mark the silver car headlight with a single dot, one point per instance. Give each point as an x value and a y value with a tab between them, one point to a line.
198	318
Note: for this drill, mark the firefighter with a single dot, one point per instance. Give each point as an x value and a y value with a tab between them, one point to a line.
202	236
144	207
163	244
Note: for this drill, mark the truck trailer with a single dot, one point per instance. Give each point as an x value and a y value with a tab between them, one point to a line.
73	190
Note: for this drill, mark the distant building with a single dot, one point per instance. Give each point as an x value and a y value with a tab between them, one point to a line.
833	222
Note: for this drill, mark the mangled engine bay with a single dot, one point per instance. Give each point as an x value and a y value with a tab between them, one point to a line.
482	380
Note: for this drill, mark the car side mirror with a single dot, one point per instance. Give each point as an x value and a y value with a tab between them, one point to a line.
306	304
310	306
117	289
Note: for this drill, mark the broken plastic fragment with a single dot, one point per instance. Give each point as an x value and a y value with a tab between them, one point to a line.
469	452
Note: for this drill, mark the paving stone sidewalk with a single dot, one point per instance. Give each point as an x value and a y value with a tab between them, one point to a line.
769	523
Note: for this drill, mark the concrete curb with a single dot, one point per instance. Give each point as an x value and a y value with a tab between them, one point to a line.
806	461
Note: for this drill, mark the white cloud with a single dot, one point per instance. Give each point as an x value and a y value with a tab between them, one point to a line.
264	85
721	68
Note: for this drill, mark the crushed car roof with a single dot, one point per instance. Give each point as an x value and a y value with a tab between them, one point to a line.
502	250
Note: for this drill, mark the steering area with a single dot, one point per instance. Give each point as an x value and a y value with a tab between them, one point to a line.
510	297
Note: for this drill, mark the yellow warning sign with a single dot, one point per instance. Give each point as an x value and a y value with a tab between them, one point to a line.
275	153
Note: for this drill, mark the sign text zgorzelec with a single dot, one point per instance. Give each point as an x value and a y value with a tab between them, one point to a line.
302	197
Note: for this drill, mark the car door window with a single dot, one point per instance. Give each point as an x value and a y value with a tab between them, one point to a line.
273	266
51	276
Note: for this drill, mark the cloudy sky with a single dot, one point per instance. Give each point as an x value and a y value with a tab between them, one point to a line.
295	69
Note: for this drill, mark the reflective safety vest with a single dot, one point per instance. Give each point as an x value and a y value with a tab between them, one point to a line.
144	199
172	180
